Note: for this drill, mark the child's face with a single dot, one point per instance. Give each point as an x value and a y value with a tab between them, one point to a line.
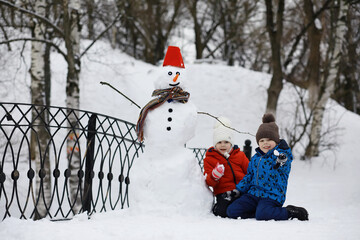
223	146
266	144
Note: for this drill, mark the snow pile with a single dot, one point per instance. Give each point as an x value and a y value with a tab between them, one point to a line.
168	185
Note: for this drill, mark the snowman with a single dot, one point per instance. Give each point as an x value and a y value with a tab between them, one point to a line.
167	179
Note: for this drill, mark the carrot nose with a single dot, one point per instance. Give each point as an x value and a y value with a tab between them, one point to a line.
176	77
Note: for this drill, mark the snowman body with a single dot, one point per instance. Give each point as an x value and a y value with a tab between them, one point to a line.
167	178
170	125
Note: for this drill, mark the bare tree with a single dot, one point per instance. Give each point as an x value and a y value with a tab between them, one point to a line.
347	90
147	25
206	20
235	30
328	77
40	137
71	26
275	31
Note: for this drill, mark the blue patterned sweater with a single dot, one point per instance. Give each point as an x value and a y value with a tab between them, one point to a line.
262	180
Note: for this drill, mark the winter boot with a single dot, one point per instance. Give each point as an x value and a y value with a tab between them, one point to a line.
297	212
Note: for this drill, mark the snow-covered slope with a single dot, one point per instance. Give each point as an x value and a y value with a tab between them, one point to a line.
329	186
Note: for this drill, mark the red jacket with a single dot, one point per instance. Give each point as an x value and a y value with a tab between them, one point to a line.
238	162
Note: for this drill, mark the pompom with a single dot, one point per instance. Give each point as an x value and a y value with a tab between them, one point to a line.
268	118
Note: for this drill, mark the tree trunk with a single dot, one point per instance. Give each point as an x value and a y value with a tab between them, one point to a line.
40	136
313	73
313	67
113	33
347	90
90	6
197	30
47	74
72	43
275	35
328	81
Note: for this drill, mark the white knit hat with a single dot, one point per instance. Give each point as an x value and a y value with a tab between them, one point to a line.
222	133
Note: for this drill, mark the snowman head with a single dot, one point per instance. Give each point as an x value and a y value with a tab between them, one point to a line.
172	72
169	77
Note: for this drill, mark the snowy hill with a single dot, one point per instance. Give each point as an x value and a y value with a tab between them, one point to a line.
329	186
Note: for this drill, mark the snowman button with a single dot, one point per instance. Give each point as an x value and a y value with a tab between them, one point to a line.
169	119
168	128
170	110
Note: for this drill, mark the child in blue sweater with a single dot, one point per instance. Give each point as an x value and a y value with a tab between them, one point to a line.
263	189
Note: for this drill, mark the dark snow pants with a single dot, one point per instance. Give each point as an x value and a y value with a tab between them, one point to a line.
249	206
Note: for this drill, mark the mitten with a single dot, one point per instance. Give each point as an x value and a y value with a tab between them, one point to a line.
218	171
235	193
281	159
231	195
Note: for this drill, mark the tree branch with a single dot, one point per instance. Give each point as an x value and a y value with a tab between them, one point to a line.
101	34
105	83
32	14
6	37
217	119
35	40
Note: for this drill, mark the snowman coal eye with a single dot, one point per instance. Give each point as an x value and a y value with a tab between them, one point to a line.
177	73
169	73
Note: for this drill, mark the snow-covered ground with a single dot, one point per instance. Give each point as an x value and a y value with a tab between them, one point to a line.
328	187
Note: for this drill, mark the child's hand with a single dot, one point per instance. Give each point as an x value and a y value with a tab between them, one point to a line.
230	195
235	193
218	171
281	159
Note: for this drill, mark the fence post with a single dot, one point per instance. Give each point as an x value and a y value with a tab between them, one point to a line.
247	148
89	164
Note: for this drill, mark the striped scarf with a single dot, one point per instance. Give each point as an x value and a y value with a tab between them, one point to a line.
175	93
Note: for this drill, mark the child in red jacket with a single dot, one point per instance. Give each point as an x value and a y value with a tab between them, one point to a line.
224	166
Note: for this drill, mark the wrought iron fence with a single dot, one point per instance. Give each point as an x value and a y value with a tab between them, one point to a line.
38	148
199	155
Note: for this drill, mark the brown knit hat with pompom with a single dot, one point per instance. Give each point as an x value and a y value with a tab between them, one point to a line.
268	129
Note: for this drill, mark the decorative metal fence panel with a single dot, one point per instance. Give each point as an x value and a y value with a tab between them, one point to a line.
37	145
200	155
